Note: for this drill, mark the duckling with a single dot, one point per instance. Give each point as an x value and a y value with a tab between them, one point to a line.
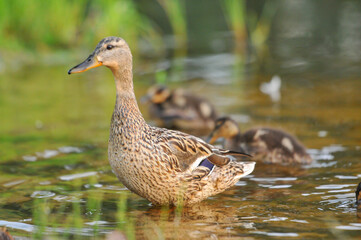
264	144
179	109
167	167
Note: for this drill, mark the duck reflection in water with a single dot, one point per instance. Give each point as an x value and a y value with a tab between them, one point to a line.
199	221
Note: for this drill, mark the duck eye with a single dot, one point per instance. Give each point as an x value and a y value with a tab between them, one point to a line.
109	47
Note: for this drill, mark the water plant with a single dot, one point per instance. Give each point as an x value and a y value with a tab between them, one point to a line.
175	11
79	212
42	26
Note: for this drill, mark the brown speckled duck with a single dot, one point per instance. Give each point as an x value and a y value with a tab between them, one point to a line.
164	166
268	145
180	109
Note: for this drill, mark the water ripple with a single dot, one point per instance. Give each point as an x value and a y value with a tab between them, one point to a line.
42	194
346	177
76	175
47	154
274	179
352	226
325	154
334	186
19	226
276	219
13	183
278	234
70	149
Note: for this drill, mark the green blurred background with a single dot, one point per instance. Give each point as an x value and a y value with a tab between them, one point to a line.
313	31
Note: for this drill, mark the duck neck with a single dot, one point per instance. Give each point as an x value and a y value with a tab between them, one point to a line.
126	111
123	81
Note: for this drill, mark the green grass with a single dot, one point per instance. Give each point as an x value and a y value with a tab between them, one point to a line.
50	25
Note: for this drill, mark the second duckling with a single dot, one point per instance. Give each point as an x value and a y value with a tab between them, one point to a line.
179	109
264	144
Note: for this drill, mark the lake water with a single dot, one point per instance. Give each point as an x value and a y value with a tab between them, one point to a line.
55	178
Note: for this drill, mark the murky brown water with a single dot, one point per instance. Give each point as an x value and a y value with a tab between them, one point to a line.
55	178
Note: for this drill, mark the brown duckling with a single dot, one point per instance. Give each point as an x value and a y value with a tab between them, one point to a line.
179	109
166	167
264	144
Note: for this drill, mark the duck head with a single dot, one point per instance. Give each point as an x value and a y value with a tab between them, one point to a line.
112	52
157	94
225	127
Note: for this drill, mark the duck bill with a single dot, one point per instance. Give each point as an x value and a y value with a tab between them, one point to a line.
89	63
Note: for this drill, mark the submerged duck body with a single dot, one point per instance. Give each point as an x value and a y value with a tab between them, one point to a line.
180	109
268	145
164	166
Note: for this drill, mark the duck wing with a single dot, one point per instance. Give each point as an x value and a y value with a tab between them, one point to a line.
191	152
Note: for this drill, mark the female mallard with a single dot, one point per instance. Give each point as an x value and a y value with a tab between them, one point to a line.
180	109
164	166
265	144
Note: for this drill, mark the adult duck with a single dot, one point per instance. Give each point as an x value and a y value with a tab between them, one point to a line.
166	167
268	145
